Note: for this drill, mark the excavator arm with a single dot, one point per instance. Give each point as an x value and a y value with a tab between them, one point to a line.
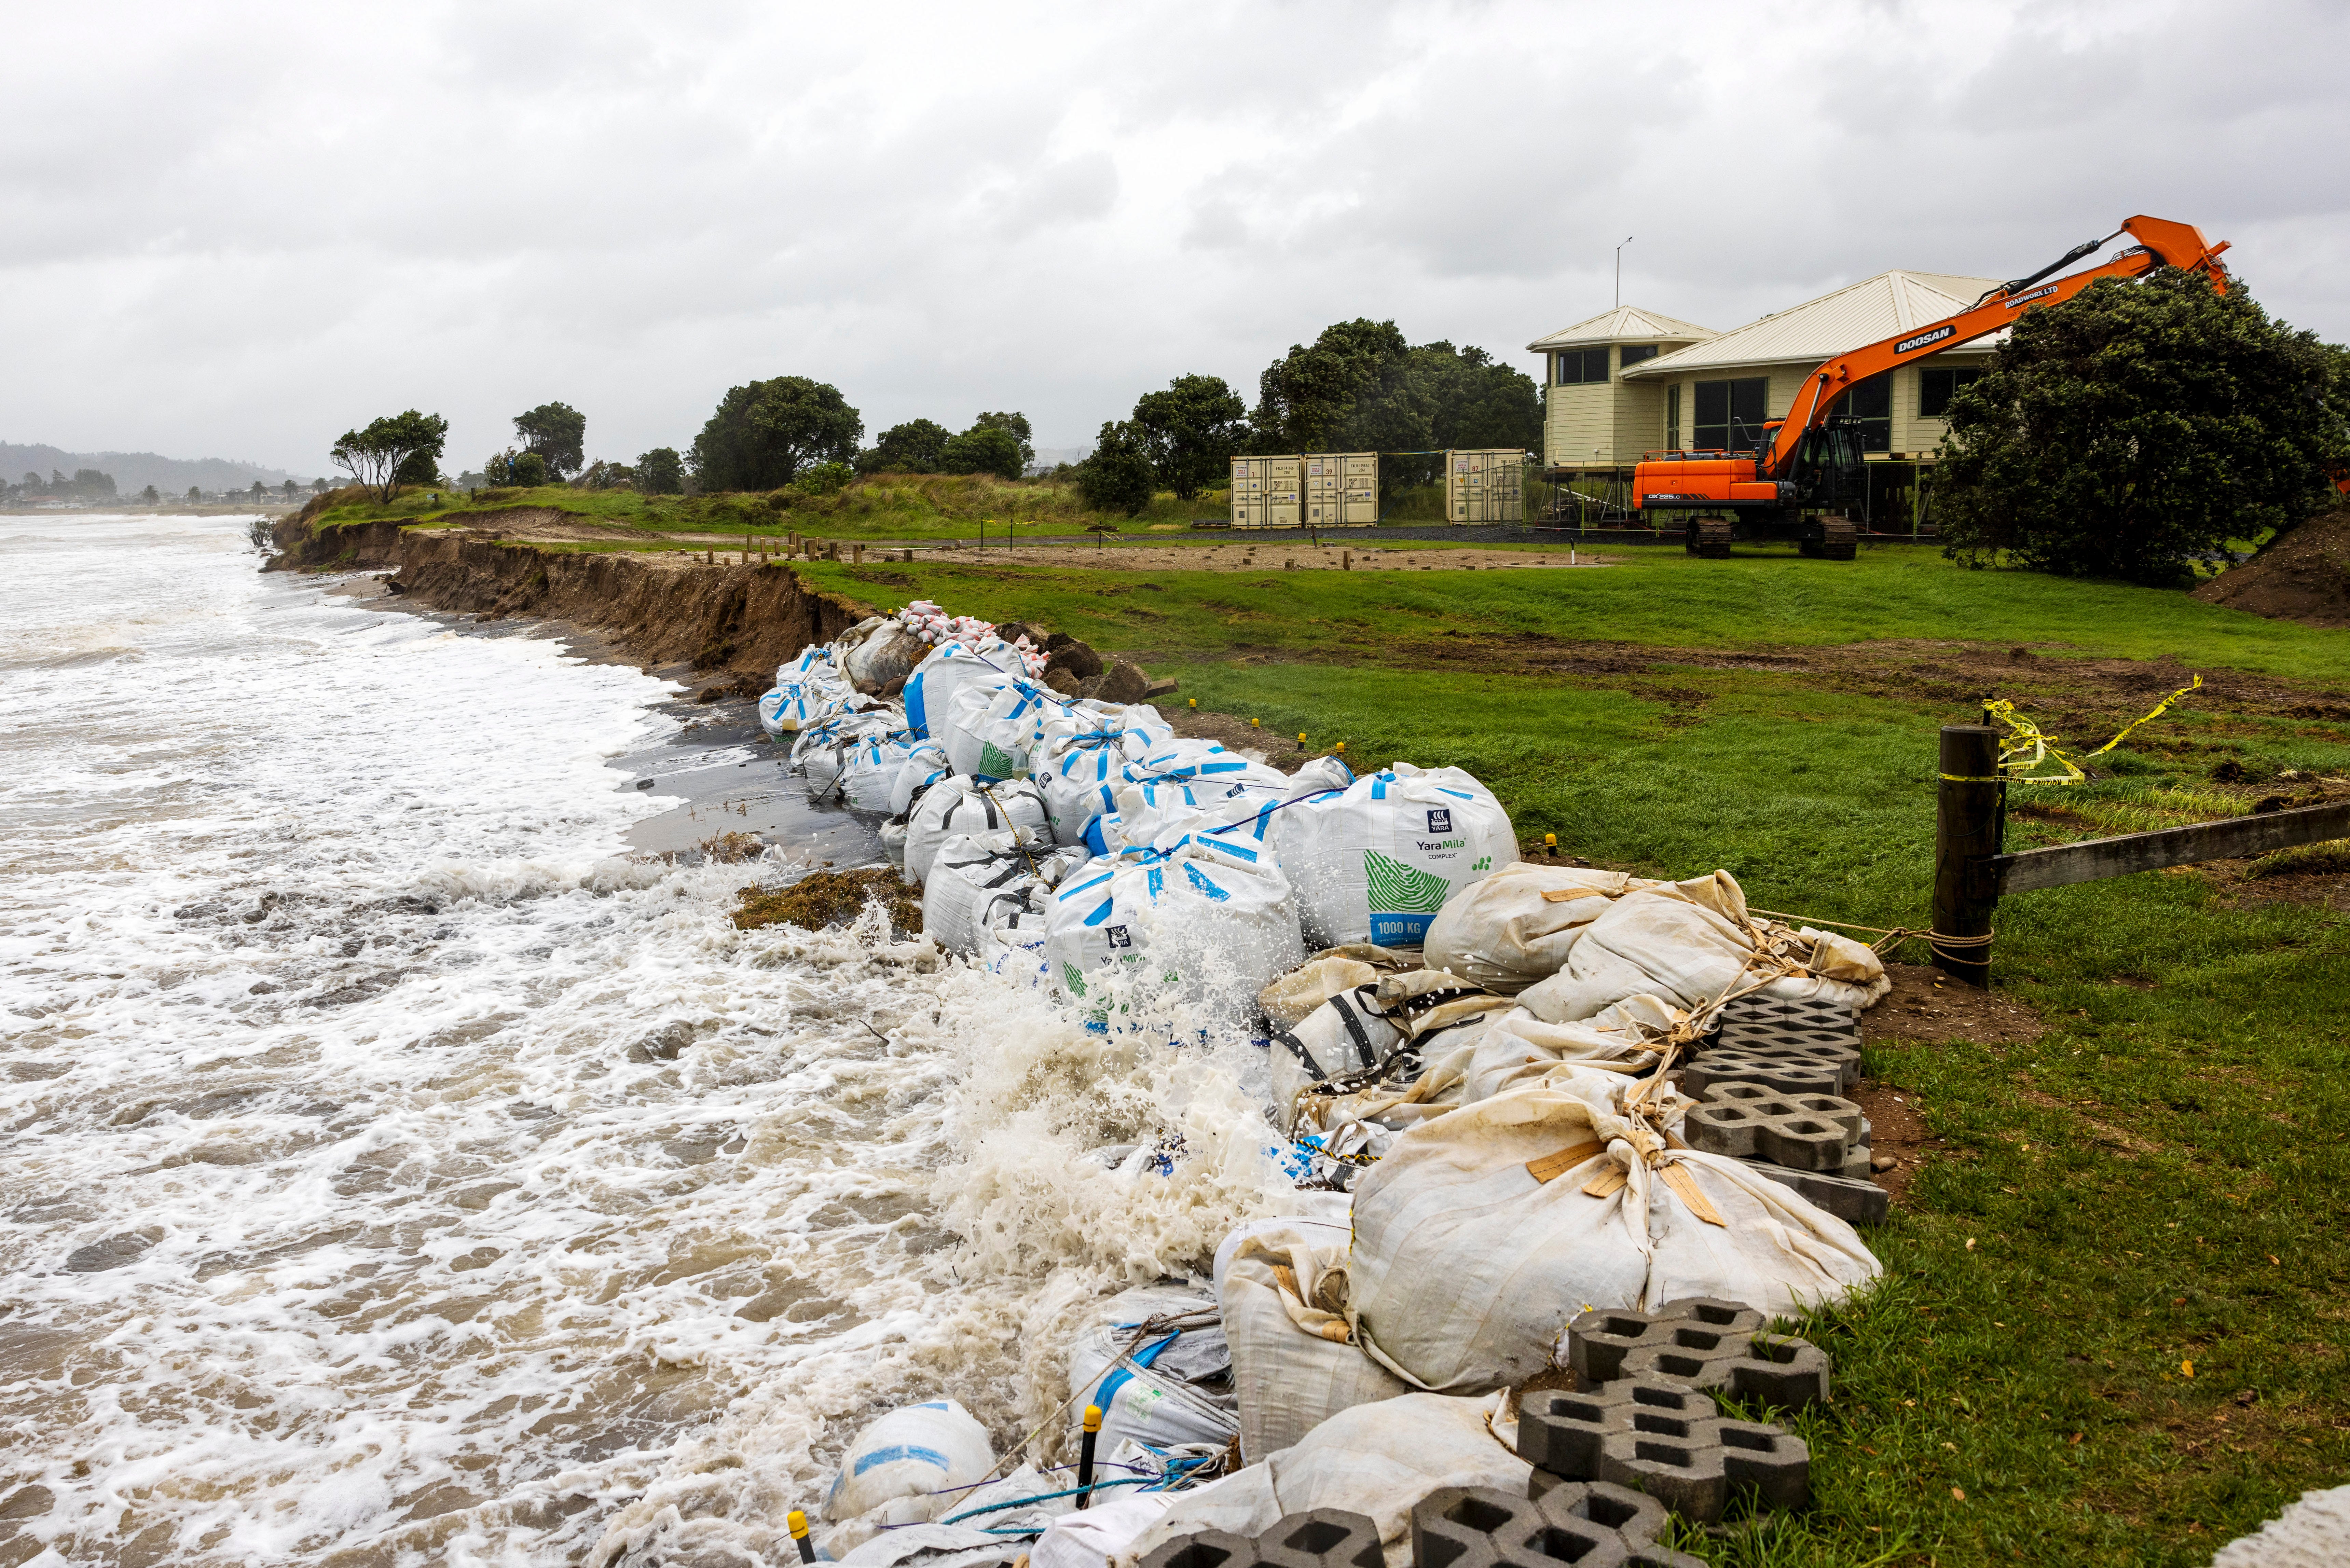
2160	243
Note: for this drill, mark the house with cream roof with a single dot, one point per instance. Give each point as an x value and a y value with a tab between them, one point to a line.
1633	381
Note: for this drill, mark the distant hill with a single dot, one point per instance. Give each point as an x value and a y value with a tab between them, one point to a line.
134	471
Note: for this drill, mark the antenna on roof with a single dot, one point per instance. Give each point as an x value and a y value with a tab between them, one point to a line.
1619	272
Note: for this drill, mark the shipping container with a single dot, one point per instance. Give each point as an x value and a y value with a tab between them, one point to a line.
1485	486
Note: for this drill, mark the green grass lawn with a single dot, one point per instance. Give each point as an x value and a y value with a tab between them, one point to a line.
2154	1185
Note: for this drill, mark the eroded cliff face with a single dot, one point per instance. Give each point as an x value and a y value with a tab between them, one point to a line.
665	609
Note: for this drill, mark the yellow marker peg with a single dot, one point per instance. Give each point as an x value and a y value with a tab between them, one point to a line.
797	1522
1550	841
1195	704
1342	745
1301	737
1252	723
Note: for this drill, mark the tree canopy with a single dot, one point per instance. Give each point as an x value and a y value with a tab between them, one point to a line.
660	471
918	446
374	456
558	433
1192	431
1117	476
763	433
2137	427
1014	425
1361	388
982	449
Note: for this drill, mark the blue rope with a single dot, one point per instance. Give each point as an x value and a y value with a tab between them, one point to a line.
1047	1497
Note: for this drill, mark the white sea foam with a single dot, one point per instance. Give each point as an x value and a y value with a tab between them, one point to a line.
351	1218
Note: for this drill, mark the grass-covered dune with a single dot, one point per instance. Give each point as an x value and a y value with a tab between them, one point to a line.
2115	1322
885	506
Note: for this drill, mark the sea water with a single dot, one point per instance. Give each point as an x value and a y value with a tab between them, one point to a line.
402	1168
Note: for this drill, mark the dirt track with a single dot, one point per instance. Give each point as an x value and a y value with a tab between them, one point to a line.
1267	557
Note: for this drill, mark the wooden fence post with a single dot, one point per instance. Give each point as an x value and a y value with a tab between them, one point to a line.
1970	820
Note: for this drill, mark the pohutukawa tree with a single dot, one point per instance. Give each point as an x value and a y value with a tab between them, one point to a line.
558	433
2137	427
374	456
763	433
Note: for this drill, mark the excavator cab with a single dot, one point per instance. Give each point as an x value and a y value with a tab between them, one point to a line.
1829	471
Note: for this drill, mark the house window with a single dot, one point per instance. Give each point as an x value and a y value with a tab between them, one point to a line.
1728	414
1936	388
1871	402
1579	367
1632	354
1673	417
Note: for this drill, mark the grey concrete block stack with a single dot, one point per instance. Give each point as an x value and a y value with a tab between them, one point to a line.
1645	1418
1771	1086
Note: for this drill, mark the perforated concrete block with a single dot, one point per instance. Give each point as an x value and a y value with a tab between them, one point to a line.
1666	1440
1790	1070
1748	1120
1205	1549
1850	1199
1322	1538
1770	1020
1483	1527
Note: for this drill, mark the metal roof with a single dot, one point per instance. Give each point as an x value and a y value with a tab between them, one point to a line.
1857	313
1625	323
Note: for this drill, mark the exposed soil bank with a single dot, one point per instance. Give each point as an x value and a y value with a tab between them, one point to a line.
2303	573
663	609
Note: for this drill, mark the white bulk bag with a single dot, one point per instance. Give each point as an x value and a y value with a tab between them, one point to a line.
981	878
1206	763
911	1453
956	806
1143	1361
1151	809
1375	861
1283	1291
1348	1033
822	749
1080	785
1013	949
994	733
1377	1460
1193	921
1479	1234
926	763
1130	731
1690	943
884	659
894	845
868	774
1515	926
1287	1001
1105	834
930	689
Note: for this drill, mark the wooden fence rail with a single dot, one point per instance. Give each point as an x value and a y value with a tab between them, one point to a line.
1971	874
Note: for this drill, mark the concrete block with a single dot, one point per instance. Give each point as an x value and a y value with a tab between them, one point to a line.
1855	1202
1791	1070
1205	1549
1484	1527
1748	1120
1636	1516
1763	1020
1322	1538
1714	1346
1667	1442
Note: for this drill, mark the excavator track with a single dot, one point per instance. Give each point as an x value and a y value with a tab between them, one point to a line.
1708	538
1842	538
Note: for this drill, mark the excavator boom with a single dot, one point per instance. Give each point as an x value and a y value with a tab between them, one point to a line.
1772	482
2160	243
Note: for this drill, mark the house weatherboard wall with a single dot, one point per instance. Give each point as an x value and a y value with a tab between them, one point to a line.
1707	389
1594	419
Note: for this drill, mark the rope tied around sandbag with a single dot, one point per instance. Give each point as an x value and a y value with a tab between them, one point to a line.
1941	943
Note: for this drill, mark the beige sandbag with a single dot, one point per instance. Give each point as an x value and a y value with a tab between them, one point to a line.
1375	1036
1283	1292
1287	1001
1483	1230
1373	1459
1690	943
1518	1047
1516	926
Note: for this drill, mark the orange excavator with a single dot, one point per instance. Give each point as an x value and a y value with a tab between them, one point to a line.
1802	474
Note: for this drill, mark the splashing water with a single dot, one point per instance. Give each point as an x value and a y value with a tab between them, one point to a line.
402	1172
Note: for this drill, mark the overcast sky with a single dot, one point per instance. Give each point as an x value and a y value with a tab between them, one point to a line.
236	229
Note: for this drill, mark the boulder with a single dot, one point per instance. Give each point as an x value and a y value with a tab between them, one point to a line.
1059	679
1120	682
1074	657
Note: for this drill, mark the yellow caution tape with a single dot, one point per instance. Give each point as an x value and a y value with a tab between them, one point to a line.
2026	747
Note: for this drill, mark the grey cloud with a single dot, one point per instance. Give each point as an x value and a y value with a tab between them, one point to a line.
240	228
